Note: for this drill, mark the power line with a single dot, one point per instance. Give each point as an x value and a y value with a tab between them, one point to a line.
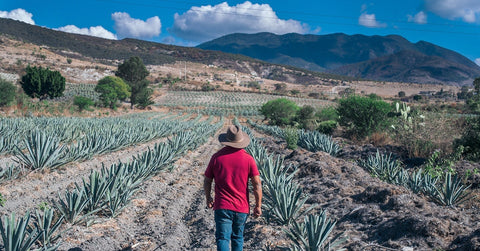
304	20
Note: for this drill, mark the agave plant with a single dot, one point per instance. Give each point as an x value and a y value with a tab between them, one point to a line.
73	205
284	201
47	225
315	141
452	192
43	151
383	166
94	191
313	234
15	235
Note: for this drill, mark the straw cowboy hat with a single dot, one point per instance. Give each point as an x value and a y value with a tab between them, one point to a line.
234	137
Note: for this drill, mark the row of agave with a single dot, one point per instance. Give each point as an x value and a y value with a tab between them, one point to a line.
447	191
310	140
104	193
45	150
285	202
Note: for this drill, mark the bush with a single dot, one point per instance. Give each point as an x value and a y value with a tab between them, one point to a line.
280	111
327	127
470	140
362	115
111	90
328	113
42	82
306	117
291	136
7	92
83	103
144	98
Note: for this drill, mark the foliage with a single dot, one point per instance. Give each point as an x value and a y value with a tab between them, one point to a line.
7	92
473	102
363	116
401	94
83	103
313	233
452	192
470	140
47	224
328	113
438	165
315	141
305	117
42	152
134	72
112	89
144	98
383	166
280	111
41	82
327	127
291	136
15	235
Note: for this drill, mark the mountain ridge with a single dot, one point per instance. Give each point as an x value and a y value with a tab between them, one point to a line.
344	54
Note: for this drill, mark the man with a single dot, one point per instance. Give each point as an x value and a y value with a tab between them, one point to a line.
231	167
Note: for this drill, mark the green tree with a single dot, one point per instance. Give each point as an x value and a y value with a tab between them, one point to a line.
362	115
7	92
470	140
401	94
306	117
280	111
134	72
473	101
112	89
41	82
144	98
83	103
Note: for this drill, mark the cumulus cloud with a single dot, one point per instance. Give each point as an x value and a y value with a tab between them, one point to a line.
477	61
97	31
419	18
208	22
369	20
125	26
19	15
467	10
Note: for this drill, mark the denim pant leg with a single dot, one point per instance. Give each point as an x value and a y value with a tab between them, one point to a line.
239	220
229	226
223	229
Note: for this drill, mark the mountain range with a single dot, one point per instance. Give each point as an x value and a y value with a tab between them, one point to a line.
295	58
381	58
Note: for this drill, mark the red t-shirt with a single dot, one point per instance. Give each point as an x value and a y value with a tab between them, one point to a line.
231	168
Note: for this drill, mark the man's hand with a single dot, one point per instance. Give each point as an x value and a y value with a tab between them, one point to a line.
209	202
257	211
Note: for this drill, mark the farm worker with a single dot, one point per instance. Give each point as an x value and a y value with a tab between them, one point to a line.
231	168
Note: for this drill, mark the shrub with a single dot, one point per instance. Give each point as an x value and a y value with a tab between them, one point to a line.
306	117
291	136
470	140
144	98
134	72
83	103
111	90
401	94
327	127
42	82
363	116
280	111
328	113
7	92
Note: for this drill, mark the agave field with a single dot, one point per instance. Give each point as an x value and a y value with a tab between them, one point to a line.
135	182
227	103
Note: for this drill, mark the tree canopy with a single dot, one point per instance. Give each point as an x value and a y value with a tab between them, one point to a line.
134	72
41	82
112	89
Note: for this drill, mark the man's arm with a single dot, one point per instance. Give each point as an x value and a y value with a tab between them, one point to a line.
207	186
257	192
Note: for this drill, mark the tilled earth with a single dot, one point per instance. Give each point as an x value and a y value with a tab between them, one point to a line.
169	212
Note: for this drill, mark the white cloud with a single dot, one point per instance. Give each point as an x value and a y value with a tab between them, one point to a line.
97	31
369	20
419	18
208	22
125	26
477	61
468	10
19	15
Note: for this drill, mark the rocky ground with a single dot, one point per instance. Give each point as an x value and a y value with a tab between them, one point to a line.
169	212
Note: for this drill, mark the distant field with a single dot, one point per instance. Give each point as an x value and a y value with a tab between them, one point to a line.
225	103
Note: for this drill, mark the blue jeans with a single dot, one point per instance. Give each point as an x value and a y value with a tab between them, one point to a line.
229	226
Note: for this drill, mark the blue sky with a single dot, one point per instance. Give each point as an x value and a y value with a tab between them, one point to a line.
453	24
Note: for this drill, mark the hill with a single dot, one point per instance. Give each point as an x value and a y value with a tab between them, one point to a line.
382	58
111	51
